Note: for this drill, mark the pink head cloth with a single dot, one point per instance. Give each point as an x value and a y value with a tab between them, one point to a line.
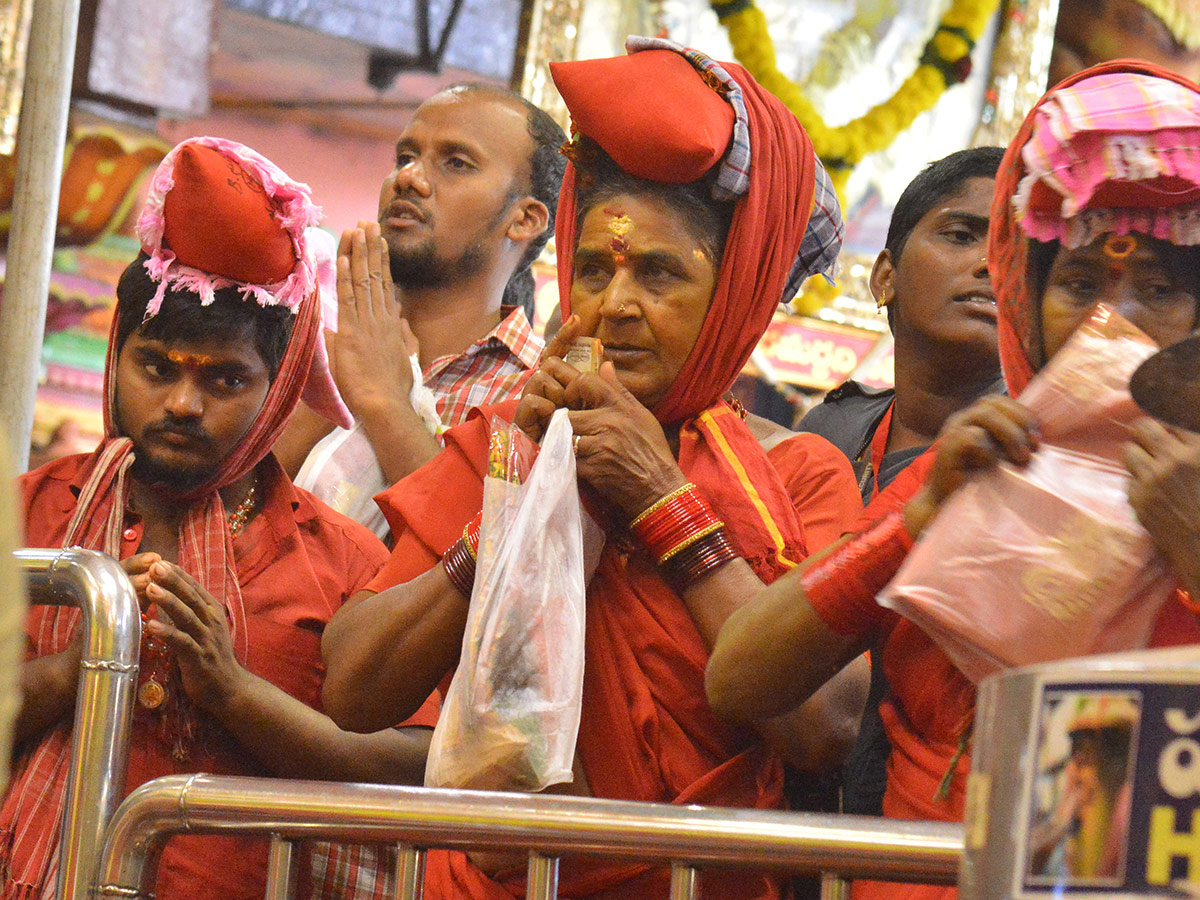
223	204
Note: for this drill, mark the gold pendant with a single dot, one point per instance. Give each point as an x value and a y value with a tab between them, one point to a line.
151	694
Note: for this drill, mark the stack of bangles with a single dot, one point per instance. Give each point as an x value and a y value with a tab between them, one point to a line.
684	535
459	560
681	532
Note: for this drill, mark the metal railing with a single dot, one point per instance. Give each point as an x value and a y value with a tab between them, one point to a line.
99	587
686	837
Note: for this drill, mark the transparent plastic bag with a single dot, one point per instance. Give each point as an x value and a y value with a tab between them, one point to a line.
1045	562
511	714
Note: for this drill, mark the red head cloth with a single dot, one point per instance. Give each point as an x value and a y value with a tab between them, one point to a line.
220	215
1090	120
645	106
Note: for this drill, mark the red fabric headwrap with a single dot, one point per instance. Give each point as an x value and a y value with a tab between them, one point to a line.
1019	312
768	226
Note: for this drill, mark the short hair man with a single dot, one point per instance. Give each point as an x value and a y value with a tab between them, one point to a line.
444	273
212	343
932	277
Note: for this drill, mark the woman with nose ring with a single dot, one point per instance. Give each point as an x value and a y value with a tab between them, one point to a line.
1097	201
693	198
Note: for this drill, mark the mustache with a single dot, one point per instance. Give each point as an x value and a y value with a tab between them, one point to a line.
181	428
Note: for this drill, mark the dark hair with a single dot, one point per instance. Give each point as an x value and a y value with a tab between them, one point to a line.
182	318
546	168
939	180
936	182
599	178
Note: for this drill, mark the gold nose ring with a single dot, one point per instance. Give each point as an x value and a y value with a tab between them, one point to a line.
621	309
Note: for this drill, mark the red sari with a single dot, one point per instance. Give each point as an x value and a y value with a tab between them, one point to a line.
647	732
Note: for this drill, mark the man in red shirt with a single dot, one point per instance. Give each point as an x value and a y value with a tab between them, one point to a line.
238	571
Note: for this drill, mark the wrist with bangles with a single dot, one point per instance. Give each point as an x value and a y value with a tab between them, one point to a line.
459	560
684	536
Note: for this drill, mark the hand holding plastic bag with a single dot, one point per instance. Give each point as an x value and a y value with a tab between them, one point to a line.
1026	565
511	714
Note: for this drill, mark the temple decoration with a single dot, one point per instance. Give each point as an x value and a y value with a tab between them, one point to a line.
15	17
100	176
946	61
1020	69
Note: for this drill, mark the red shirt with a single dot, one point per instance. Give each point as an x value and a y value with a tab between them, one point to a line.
297	562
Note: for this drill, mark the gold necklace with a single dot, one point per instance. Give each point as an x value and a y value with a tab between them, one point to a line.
237	519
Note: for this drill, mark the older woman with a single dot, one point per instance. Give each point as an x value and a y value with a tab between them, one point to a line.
1097	202
674	249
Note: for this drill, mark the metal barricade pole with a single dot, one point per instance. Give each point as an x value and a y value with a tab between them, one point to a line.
410	873
852	846
685	882
542	880
104	706
281	869
834	887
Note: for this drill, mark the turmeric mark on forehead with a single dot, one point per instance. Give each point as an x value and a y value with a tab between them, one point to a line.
189	360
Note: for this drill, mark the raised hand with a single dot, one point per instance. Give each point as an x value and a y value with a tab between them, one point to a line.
977	439
620	448
1164	491
373	343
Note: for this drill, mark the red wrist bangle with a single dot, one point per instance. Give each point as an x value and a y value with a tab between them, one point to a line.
700	558
675	522
853	574
459	560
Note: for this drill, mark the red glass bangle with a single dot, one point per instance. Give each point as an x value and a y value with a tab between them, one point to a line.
700	558
675	522
853	574
459	560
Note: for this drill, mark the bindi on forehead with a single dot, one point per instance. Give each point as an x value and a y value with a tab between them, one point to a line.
190	360
619	225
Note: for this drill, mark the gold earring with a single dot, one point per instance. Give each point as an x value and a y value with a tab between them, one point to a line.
882	300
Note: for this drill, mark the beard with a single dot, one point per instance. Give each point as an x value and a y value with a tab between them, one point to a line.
420	268
165	477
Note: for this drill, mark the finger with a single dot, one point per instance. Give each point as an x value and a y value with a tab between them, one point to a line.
139	563
561	342
533	416
344	242
347	311
608	372
1152	436
591	392
1138	461
1012	438
360	275
389	288
186	589
175	638
179	614
411	345
373	243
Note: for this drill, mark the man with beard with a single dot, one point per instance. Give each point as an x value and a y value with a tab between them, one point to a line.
466	210
213	340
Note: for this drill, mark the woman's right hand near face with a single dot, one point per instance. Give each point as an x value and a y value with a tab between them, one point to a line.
977	439
545	391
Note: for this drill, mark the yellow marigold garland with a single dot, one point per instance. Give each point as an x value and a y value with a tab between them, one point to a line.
946	61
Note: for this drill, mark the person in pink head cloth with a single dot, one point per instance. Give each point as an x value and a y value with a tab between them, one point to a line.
214	340
1097	201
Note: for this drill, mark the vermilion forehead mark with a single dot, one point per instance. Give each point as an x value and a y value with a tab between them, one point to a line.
189	360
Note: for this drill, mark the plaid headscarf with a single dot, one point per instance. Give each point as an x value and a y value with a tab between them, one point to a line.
1112	148
787	225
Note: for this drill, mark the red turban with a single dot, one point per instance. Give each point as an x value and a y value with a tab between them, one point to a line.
639	107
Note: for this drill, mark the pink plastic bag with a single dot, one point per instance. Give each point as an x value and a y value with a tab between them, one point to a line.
1046	562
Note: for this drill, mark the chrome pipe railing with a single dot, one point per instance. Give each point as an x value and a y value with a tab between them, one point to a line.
688	837
112	625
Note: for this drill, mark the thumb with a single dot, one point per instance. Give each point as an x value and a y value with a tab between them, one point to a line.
608	374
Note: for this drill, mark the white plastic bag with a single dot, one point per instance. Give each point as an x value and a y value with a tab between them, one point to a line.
511	714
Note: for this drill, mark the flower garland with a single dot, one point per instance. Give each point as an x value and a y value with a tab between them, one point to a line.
946	61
